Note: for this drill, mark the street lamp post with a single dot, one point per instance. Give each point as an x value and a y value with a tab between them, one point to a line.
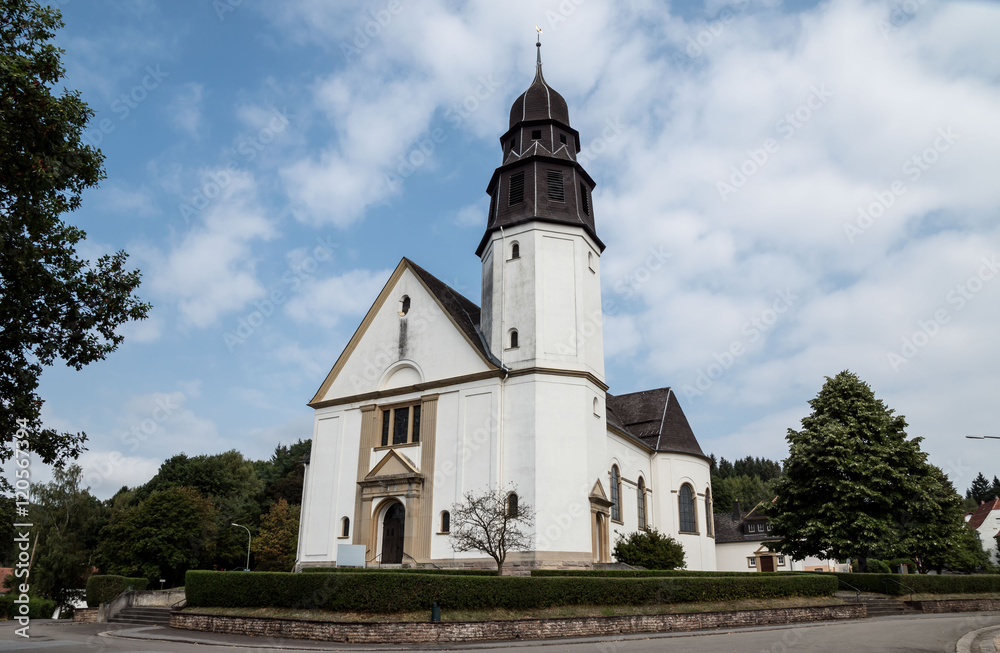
249	539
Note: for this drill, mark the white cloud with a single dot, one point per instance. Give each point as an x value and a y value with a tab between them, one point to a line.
185	108
324	302
211	271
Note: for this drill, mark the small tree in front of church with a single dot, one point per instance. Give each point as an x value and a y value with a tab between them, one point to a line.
650	549
494	522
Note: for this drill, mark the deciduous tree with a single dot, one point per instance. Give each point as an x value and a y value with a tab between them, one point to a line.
53	304
491	523
274	548
855	486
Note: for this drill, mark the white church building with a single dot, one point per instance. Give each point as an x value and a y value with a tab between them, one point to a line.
435	396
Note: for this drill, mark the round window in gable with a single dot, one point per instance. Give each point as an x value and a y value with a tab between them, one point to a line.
404	305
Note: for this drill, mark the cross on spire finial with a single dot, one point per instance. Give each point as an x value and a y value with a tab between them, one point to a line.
538	44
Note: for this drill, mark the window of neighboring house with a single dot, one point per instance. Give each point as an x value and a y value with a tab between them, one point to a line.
445	521
781	561
641	497
751	562
401	425
685	508
616	494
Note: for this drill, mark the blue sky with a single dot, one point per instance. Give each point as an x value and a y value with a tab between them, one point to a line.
786	190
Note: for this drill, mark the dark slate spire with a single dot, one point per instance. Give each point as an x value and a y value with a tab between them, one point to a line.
540	178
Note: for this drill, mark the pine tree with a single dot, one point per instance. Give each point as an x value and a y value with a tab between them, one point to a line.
994	490
979	489
854	485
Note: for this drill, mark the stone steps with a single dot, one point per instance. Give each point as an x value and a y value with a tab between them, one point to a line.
143	616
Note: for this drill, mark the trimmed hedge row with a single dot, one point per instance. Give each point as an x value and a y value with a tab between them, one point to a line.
654	573
922	583
38	608
391	593
101	589
366	570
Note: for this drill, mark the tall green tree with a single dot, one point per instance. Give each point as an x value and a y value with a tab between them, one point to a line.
53	304
979	489
855	486
67	521
167	533
274	548
994	492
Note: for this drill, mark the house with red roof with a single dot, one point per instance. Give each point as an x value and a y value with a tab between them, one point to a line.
985	520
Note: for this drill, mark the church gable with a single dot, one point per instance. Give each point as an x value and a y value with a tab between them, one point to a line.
418	331
392	464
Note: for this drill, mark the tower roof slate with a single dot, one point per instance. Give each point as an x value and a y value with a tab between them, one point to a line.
539	102
655	418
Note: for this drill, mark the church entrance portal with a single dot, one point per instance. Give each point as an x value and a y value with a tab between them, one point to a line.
392	534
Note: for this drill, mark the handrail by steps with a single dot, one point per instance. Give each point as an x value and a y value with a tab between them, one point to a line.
857	592
891	580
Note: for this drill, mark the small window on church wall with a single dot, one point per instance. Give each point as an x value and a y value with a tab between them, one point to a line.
512	504
709	519
616	494
641	502
513	339
596	406
415	430
685	508
445	521
345	527
385	427
516	195
515	251
555	185
584	200
536	134
590	261
400	425
404	305
562	138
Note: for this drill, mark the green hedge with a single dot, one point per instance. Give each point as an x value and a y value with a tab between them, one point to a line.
923	583
38	608
101	589
654	573
366	570
390	593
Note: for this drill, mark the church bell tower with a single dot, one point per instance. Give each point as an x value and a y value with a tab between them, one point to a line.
541	303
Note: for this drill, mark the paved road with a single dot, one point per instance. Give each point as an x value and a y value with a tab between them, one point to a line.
936	633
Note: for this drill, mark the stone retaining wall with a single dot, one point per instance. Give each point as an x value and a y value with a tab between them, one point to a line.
465	631
955	605
85	615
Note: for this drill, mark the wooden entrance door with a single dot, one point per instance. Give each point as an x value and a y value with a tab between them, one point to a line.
392	534
767	563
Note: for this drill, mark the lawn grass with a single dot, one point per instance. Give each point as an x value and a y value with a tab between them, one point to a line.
541	613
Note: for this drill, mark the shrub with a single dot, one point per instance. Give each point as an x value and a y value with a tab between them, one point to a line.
923	583
101	589
38	608
368	570
658	573
650	549
392	593
878	567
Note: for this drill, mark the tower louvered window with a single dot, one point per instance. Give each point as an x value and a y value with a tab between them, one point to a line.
493	207
557	188
516	188
584	200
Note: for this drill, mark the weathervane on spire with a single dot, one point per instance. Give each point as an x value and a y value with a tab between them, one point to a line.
538	44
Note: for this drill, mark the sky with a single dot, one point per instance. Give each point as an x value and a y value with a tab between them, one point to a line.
786	191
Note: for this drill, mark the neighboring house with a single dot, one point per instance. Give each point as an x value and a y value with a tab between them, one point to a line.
434	396
742	543
985	520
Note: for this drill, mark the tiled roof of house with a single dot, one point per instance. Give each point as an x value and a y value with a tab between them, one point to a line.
983	511
729	528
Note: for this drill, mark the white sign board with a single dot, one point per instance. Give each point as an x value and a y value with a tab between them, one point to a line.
350	555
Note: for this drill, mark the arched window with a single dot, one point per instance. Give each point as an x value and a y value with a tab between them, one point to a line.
512	504
513	338
515	251
685	508
590	261
404	305
709	518
616	494
345	527
596	406
641	496
445	521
